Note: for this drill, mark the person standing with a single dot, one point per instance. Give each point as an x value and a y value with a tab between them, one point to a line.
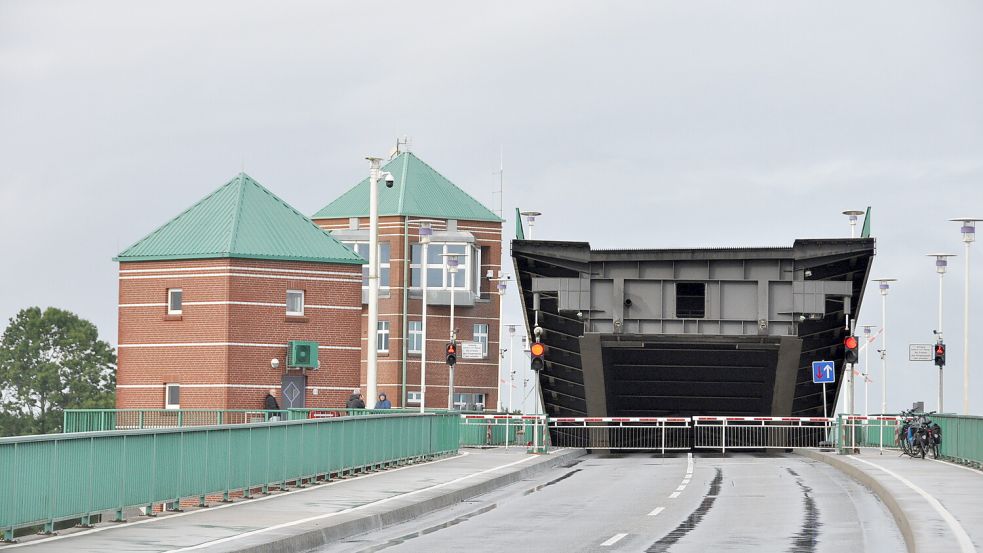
271	405
383	402
355	400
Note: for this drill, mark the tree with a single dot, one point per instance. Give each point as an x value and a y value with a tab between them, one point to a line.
51	361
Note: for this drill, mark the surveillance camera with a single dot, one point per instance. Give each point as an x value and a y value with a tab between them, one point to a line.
390	181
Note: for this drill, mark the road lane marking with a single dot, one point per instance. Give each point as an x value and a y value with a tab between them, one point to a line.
686	481
213	508
613	540
965	543
656	511
681	488
673	495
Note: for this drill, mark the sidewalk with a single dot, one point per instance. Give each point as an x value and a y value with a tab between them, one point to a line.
936	504
298	520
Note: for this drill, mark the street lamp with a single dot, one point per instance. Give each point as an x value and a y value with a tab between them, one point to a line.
372	369
451	262
511	370
853	214
425	233
531	219
941	261
885	285
502	285
866	373
969	236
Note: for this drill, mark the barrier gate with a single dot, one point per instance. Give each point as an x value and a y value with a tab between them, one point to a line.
623	433
725	433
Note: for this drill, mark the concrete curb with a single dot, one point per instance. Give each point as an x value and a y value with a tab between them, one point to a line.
311	537
893	504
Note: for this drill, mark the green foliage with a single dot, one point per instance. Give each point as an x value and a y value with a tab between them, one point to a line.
51	361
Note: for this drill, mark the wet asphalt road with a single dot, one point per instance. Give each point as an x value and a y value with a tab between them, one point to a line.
640	502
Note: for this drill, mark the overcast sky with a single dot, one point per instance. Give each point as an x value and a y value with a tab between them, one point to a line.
628	124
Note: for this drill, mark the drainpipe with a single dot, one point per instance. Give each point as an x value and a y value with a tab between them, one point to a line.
406	303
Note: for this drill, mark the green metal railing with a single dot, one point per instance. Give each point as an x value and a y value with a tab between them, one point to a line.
95	420
55	477
962	436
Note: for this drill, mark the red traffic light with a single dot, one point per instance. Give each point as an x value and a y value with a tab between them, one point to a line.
537	349
939	349
850	342
451	348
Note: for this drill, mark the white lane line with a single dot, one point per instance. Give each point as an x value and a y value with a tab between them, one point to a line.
965	544
673	495
686	481
681	488
656	511
214	508
613	540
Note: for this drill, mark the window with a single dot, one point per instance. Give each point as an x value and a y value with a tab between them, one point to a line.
295	302
174	301
690	300
469	402
362	249
413	397
415	343
382	337
172	396
481	336
437	274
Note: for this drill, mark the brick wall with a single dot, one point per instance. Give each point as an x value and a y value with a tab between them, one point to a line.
233	323
480	376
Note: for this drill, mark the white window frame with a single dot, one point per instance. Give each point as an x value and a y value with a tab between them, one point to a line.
460	404
170	303
414	337
295	313
167	396
382	337
481	337
413	398
469	263
388	265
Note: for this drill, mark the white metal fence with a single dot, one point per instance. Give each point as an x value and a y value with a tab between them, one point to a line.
880	431
725	433
622	433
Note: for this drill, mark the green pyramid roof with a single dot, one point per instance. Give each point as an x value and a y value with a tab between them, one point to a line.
242	219
419	191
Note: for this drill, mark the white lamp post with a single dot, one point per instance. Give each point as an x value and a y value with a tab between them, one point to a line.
531	219
941	261
969	236
511	370
425	233
884	285
375	173
502	285
451	261
853	214
866	373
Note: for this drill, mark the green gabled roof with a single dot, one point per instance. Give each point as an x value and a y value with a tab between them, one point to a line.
418	191
242	219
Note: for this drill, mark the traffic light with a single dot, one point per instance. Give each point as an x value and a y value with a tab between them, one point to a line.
451	353
538	351
940	354
850	344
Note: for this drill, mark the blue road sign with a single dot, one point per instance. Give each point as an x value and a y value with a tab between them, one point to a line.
823	372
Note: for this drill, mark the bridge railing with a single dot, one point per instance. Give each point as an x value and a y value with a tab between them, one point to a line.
962	436
500	429
54	477
622	433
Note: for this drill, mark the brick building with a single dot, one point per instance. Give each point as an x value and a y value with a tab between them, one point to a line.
210	299
460	225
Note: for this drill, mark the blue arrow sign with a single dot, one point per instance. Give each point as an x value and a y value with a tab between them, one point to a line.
823	372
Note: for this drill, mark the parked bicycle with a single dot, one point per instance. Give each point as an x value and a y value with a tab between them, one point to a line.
918	436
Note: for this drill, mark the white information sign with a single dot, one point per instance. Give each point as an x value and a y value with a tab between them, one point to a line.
920	352
471	350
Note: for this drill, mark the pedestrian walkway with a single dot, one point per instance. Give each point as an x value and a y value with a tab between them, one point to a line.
301	519
936	504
